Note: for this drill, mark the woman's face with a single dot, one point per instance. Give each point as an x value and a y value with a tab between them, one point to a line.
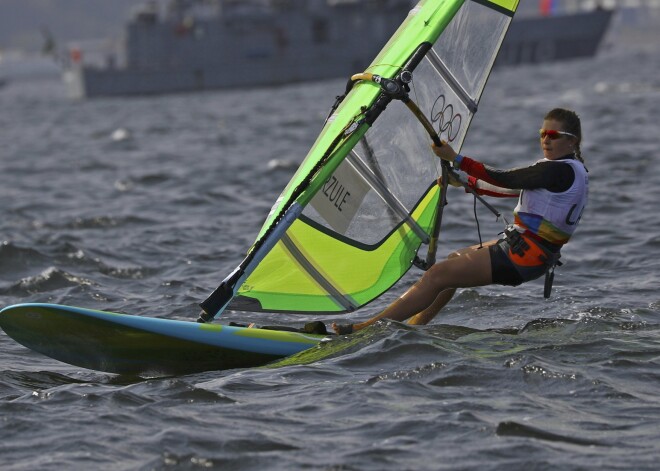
556	146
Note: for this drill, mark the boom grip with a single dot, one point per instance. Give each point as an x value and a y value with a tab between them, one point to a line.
412	106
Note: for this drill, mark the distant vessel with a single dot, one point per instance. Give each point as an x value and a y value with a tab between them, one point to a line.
554	36
194	45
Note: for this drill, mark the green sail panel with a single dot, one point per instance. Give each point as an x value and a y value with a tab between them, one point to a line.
369	193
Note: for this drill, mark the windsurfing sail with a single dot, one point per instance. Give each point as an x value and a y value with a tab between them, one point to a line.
352	219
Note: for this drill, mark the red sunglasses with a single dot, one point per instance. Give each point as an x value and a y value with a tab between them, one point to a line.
552	134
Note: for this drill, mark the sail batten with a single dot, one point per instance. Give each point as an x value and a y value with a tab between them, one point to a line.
387	196
455	85
367	195
345	302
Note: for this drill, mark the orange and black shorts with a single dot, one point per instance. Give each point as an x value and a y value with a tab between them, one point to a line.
515	261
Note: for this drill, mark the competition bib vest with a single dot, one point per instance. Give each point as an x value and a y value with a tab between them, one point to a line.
554	216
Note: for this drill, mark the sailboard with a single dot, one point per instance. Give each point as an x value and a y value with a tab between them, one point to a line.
364	206
140	345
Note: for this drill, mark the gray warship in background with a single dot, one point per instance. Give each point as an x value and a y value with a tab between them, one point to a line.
193	45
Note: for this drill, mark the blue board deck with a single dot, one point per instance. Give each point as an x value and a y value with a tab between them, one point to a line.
135	345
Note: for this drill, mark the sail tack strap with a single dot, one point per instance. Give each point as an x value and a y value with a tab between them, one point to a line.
386	195
342	300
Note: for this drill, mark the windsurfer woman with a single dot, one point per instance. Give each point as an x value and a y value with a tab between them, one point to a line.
552	195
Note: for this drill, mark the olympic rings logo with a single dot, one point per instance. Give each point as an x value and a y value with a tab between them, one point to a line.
448	122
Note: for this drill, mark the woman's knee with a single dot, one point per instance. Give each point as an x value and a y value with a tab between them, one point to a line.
436	274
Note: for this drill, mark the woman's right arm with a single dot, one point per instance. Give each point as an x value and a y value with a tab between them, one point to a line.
552	176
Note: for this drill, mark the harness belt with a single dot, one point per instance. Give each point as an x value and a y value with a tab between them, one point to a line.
550	258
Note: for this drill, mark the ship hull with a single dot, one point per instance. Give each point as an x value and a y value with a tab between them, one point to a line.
529	41
549	39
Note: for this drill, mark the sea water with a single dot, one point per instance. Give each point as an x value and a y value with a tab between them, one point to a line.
143	205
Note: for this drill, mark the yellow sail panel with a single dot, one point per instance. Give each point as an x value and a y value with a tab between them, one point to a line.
510	5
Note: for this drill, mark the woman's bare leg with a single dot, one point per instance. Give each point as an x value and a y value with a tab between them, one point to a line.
467	269
427	315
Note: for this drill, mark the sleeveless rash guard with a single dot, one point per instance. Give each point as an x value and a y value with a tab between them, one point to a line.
554	216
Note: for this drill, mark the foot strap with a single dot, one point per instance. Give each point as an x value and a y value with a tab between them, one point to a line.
344	329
